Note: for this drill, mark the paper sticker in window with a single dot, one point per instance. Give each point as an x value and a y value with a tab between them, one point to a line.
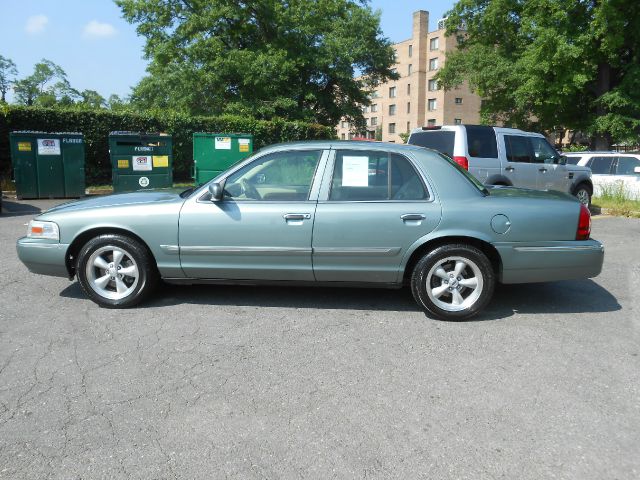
355	171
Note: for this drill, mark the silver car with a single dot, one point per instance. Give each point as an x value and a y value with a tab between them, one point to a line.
322	213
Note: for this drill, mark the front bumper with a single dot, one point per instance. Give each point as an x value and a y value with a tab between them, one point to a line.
43	257
550	261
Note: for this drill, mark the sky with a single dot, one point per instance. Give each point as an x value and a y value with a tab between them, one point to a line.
100	51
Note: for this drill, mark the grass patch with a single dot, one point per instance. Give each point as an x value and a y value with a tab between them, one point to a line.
7	185
615	200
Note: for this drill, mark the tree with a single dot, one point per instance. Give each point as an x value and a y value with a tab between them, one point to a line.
46	86
8	72
264	58
92	99
550	64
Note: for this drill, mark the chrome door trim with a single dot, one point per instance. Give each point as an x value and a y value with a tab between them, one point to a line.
205	250
565	248
357	251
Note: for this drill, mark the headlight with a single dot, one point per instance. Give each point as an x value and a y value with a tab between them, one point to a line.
47	230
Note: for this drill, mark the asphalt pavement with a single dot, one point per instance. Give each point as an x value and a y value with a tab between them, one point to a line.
246	382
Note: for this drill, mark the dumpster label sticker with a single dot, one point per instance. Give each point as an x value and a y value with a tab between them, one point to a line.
160	161
24	146
72	140
48	146
141	163
223	143
243	144
123	163
143	181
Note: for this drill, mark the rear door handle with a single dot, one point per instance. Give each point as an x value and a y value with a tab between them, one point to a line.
297	216
412	216
509	169
543	170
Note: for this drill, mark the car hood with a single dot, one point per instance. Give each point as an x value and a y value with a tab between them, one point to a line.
502	191
120	199
578	168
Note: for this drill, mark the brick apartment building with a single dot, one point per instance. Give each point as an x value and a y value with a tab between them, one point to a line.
415	99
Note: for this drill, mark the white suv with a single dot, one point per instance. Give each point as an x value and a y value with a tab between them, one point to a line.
507	156
611	170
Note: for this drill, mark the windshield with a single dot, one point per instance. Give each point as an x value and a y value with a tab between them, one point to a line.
476	183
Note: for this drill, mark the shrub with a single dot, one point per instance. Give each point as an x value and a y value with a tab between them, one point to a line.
96	125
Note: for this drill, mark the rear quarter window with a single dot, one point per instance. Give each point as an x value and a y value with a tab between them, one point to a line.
481	141
441	141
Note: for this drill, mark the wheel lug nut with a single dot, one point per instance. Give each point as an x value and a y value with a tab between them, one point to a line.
459	278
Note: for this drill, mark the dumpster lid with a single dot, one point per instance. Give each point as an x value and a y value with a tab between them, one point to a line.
39	132
226	134
141	134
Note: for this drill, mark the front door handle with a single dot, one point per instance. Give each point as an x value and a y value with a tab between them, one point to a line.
297	216
412	216
543	170
509	169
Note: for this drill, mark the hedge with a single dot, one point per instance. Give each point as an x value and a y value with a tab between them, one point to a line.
96	125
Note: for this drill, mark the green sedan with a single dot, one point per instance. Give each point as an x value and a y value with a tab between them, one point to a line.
321	213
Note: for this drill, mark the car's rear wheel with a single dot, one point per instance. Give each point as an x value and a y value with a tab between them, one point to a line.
116	271
583	194
453	282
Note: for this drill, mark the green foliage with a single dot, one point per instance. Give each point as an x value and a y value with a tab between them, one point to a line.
8	74
96	125
294	59
542	64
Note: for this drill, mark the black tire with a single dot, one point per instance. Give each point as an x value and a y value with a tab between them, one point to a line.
136	259
583	193
476	266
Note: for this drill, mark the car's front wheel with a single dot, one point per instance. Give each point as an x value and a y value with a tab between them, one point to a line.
116	271
583	194
453	282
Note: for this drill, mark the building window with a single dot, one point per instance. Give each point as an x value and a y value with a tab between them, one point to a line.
392	92
409	69
345	124
431	122
458	101
374	108
410	51
392	109
392	128
365	109
408	107
432	104
434	44
408	127
374	121
457	121
408	89
433	85
433	64
342	137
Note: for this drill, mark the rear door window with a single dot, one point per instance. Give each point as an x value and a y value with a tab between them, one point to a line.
573	160
481	141
439	140
374	175
600	165
626	165
518	149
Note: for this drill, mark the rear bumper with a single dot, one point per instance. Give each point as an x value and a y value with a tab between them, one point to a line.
42	257
550	261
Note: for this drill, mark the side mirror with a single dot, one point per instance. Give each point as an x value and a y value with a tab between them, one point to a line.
636	170
216	191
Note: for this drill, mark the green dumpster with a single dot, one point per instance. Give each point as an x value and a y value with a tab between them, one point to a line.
213	153
140	161
48	165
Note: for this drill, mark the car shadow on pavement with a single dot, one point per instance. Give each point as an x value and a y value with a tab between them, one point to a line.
16	209
568	297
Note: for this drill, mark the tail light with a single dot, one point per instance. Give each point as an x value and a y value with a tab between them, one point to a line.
584	224
462	161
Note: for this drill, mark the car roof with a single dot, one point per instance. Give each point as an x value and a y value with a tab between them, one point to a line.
593	152
332	144
449	128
